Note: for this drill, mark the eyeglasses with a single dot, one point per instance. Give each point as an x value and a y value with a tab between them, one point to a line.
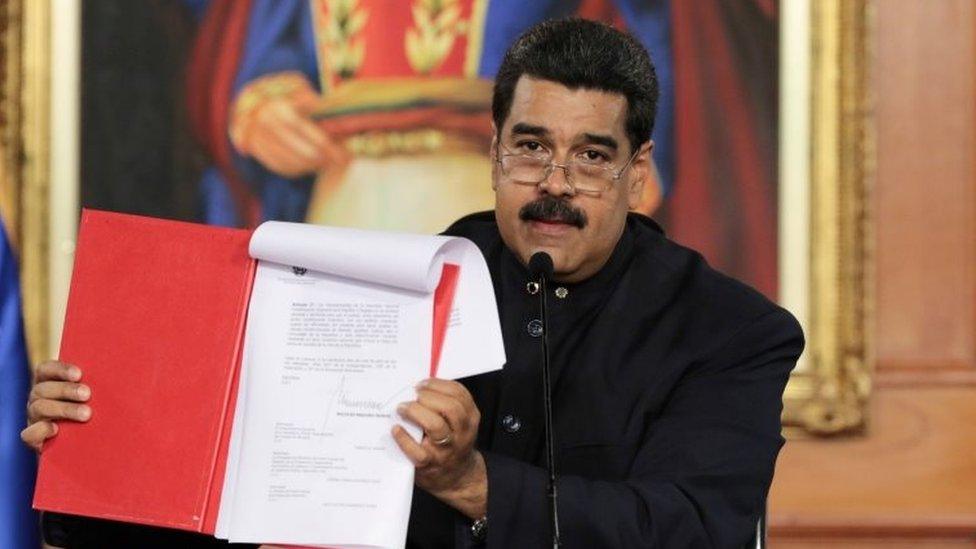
581	177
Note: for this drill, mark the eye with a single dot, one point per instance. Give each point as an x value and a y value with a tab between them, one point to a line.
593	156
530	147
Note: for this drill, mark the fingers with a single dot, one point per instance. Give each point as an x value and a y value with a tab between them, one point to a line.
451	400
450	417
335	153
44	409
284	140
279	158
293	131
445	410
450	388
305	101
429	420
35	435
54	370
54	396
450	409
416	453
60	390
305	129
50	400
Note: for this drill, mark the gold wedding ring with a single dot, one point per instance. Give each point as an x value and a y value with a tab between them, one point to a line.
444	441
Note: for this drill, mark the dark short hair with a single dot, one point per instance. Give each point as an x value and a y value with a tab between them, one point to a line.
578	53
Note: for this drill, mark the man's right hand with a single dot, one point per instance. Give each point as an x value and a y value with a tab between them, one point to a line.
55	395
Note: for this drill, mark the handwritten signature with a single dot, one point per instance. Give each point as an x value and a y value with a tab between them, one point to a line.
347	400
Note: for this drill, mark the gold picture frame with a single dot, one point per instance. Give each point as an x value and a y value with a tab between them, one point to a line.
25	155
828	395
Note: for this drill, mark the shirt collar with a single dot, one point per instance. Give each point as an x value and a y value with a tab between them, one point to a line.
516	277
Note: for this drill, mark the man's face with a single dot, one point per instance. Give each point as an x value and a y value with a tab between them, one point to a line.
578	230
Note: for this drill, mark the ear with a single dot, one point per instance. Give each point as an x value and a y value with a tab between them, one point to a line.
493	151
640	176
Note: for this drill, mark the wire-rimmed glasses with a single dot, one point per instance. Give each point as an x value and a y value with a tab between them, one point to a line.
581	177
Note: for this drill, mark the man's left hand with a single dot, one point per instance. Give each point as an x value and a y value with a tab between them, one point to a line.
447	464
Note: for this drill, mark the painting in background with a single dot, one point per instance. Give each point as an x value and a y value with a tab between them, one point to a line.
376	113
137	155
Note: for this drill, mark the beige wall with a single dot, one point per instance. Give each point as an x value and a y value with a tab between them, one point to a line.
911	480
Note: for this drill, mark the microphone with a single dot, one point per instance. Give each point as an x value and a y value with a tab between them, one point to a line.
541	268
540	265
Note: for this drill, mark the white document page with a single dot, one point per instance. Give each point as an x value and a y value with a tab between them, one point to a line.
473	342
339	331
232	466
401	260
329	363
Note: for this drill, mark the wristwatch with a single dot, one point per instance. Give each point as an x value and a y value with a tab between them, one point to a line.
479	529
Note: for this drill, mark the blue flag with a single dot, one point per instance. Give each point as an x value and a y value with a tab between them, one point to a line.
18	465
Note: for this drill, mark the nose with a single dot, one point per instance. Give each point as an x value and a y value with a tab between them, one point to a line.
557	184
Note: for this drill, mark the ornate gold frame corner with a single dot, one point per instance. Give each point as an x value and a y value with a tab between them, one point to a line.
830	396
25	154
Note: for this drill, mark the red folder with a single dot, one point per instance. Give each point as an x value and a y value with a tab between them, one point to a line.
155	319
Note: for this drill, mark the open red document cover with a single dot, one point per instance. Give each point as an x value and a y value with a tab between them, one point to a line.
233	373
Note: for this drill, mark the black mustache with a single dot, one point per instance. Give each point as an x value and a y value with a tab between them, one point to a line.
553	210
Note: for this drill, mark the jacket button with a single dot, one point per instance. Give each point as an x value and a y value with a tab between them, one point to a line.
511	423
535	328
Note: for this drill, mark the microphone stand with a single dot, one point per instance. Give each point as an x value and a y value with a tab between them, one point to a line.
547	400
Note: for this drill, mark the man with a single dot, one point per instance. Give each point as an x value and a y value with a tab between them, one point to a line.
667	376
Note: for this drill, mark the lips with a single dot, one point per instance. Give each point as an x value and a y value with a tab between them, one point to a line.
553	222
551	228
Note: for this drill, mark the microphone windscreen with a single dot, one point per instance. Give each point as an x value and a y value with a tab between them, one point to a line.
540	265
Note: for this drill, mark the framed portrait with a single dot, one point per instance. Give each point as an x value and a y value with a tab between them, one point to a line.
762	139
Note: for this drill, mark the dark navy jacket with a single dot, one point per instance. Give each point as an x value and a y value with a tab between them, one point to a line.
667	393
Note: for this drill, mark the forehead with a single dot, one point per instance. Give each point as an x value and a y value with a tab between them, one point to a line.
566	113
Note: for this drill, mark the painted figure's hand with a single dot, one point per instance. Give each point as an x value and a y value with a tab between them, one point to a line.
55	395
277	130
448	466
